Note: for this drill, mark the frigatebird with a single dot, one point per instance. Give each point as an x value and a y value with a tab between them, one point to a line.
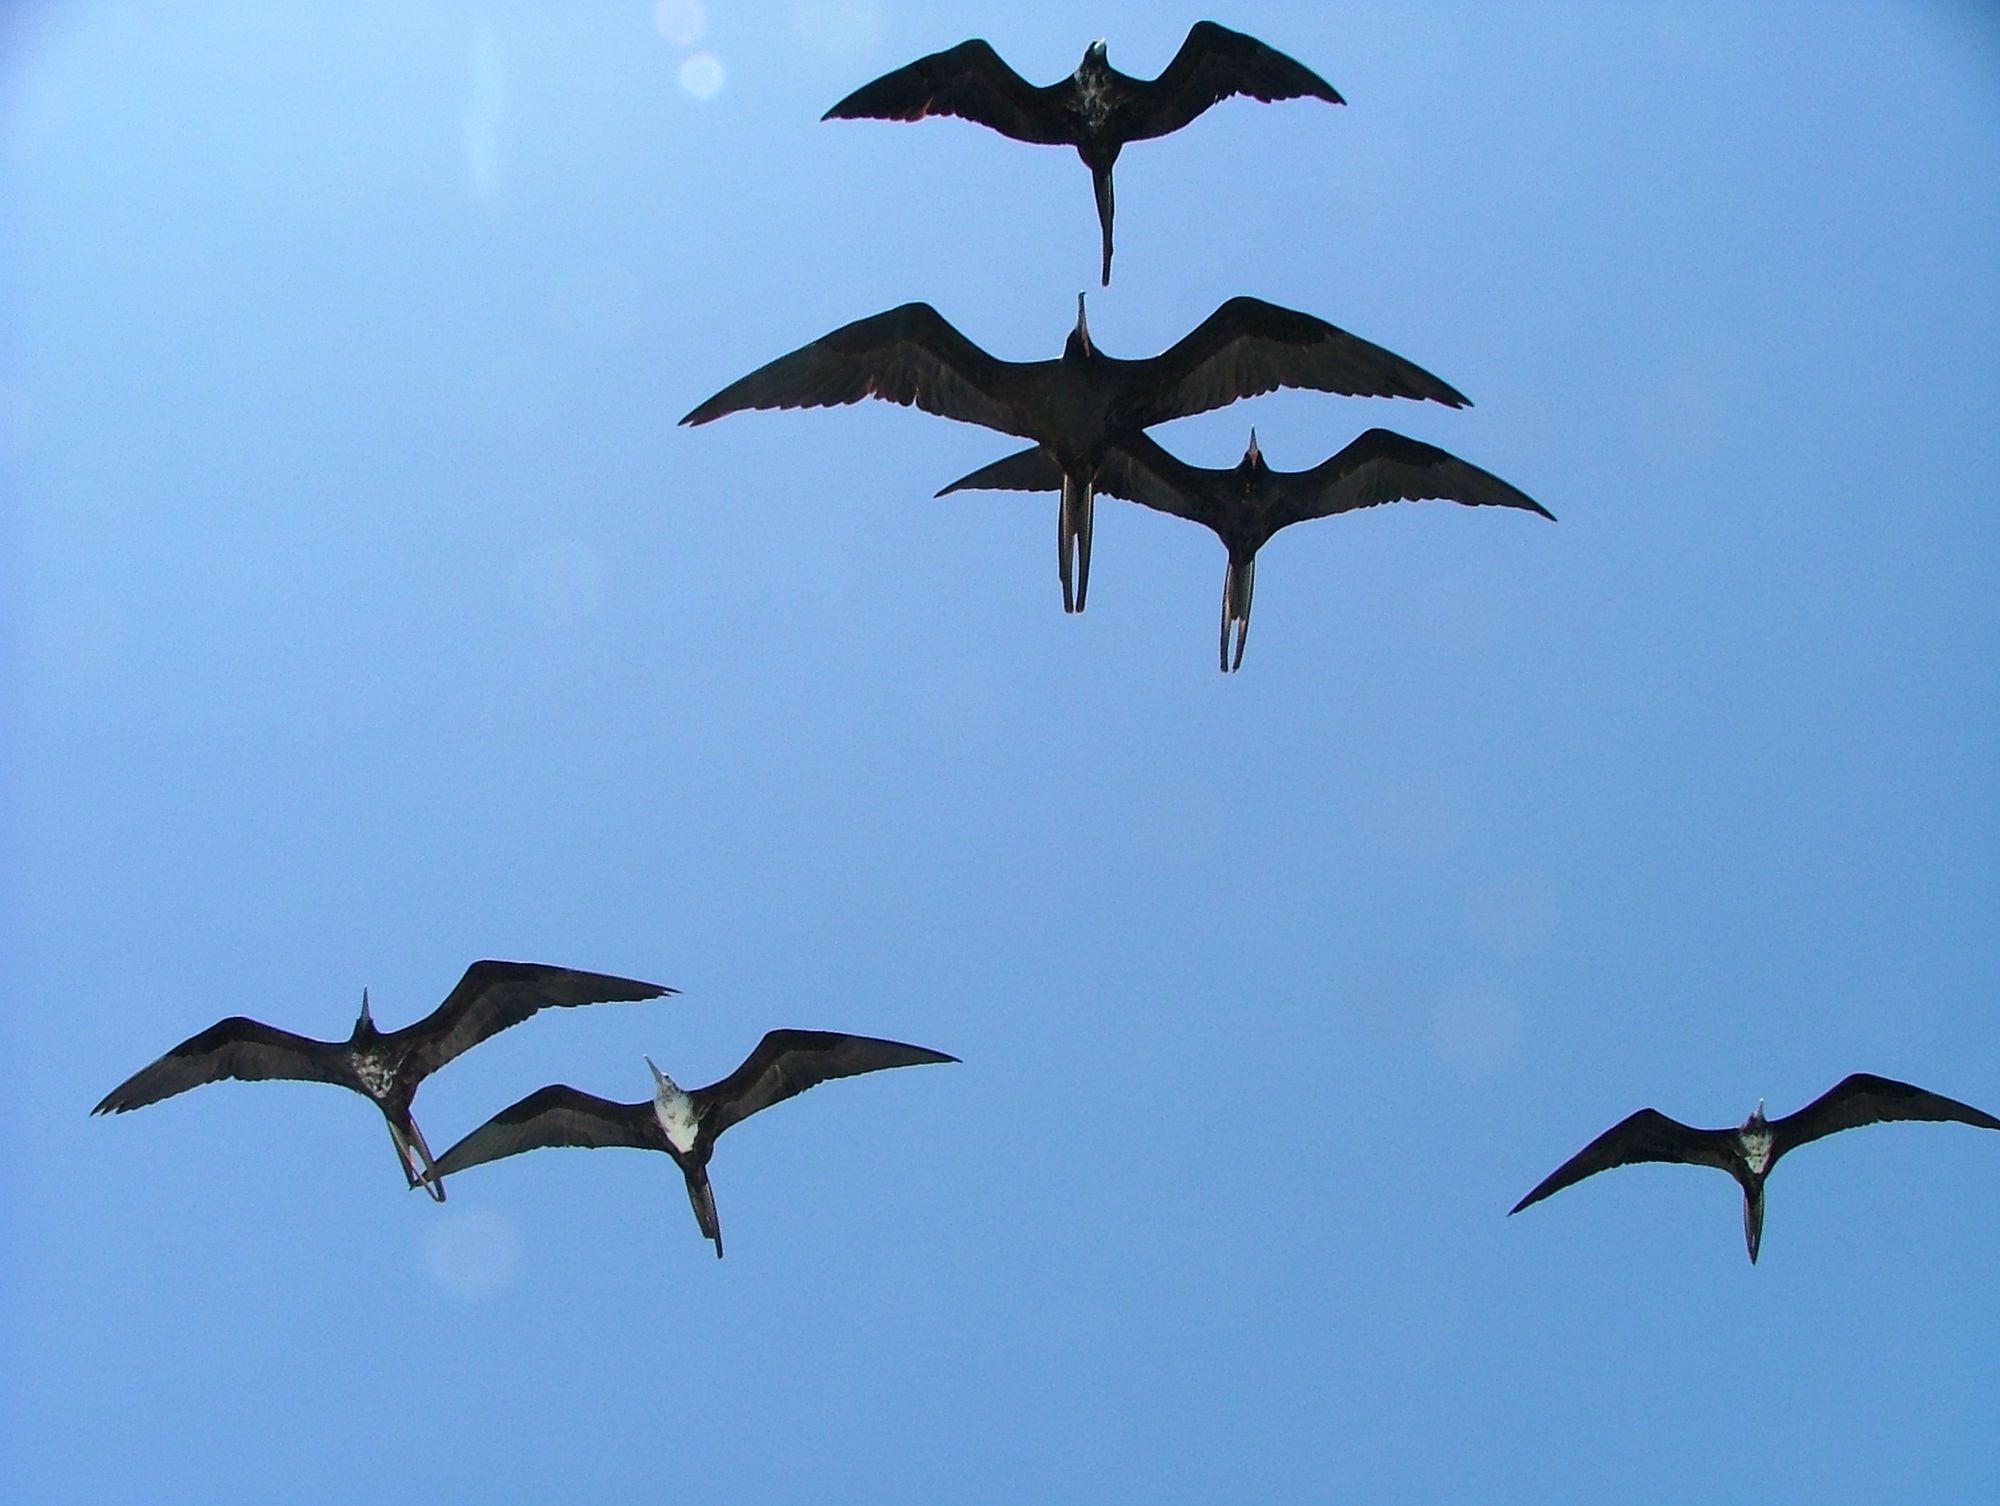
1749	1153
386	1067
1249	502
680	1122
1097	109
1079	405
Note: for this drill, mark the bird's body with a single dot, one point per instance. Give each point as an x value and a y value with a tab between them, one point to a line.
385	1067
1249	502
683	1123
1749	1152
1079	406
1097	109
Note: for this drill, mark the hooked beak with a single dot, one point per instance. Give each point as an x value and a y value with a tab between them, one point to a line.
659	1077
365	1017
1253	456
1083	327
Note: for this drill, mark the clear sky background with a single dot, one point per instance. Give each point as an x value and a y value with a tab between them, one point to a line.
366	613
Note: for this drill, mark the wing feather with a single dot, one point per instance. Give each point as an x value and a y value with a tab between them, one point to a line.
1212	64
247	1050
495	995
1645	1136
1247	347
787	1062
1866	1099
1381	467
556	1115
969	81
909	355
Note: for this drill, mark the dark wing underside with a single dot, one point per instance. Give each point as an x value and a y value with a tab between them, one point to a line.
1248	346
556	1115
1646	1136
1214	63
790	1061
969	81
1136	469
908	355
494	995
245	1049
1383	467
1866	1099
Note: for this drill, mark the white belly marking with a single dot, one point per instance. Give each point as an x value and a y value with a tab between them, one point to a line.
678	1119
1756	1147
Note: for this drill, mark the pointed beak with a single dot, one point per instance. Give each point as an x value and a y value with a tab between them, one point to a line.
364	1006
1253	455
1082	326
659	1077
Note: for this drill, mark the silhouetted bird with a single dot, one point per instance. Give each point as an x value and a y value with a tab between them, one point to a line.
1749	1153
684	1124
1081	404
385	1067
1249	502
1097	109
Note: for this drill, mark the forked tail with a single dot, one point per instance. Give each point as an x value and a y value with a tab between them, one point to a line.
1753	1219
1236	585
702	1196
1073	522
1100	179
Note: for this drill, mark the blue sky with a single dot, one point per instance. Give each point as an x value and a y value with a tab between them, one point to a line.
367	613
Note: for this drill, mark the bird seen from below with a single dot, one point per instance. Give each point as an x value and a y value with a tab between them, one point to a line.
1749	1153
1097	109
384	1066
1249	502
1079	405
683	1123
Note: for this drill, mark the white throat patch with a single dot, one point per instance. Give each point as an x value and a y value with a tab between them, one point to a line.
677	1115
1756	1145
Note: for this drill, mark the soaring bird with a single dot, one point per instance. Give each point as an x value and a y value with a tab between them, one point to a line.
1079	405
1749	1153
683	1123
1249	502
1097	109
384	1066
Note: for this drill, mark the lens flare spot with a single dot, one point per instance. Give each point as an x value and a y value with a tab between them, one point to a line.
702	76
472	1254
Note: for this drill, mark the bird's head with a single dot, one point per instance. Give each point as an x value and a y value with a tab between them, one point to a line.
1756	1119
1096	59
1253	458
1078	345
365	1026
662	1084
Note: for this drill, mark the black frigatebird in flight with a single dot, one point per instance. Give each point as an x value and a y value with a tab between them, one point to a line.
1097	109
1079	405
1749	1153
384	1066
1249	502
680	1122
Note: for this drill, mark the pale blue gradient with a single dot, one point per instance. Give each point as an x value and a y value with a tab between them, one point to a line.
367	613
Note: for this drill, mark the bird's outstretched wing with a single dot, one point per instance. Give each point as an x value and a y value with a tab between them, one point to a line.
1248	346
1866	1099
790	1061
556	1115
1214	63
494	995
909	355
969	81
1646	1136
246	1049
1383	467
1137	470
1031	470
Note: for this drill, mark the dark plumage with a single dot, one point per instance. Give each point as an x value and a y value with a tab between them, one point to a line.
385	1067
1097	109
684	1124
1079	405
1749	1153
1249	502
